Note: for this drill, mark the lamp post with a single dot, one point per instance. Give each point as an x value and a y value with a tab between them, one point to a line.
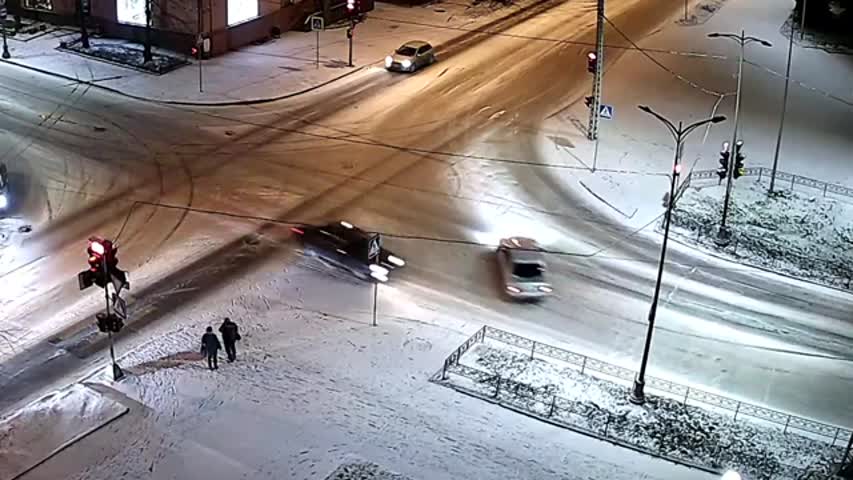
743	41
679	133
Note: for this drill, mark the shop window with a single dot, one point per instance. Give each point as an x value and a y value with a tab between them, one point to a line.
131	11
241	10
46	5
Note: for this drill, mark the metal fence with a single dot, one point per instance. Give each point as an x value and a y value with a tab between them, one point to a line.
548	406
783	180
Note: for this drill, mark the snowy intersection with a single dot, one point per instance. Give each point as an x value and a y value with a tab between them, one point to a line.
568	389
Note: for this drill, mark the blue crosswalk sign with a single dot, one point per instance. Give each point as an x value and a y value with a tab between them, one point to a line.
606	111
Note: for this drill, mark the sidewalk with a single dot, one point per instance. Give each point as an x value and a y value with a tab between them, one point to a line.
277	69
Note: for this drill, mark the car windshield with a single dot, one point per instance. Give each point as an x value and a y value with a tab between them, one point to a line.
527	270
406	51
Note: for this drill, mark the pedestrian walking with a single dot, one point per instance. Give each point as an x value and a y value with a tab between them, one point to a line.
230	334
210	347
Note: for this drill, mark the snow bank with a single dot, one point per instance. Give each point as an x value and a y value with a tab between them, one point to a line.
560	392
50	424
804	235
363	471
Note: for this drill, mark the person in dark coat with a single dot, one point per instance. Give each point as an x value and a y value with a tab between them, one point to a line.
230	334
210	347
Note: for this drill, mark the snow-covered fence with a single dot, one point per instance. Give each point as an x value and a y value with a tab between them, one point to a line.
783	179
691	408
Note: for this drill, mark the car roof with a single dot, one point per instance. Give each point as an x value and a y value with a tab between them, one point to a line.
344	233
523	250
415	44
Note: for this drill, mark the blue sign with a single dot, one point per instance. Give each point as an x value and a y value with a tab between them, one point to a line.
606	111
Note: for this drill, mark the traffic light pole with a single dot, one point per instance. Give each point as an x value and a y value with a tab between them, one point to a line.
784	110
592	131
350	34
723	235
118	374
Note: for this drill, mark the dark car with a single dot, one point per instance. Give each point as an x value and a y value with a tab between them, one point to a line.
348	247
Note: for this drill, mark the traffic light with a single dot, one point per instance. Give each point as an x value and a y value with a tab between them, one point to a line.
103	266
724	161
591	62
352	7
739	158
109	323
588	101
194	51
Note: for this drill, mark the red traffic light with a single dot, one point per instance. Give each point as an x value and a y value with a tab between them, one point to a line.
591	56
591	62
97	247
351	5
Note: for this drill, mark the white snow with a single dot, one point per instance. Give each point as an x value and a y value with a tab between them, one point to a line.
802	234
551	388
45	426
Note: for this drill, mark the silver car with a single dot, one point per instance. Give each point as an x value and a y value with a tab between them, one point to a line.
522	269
410	57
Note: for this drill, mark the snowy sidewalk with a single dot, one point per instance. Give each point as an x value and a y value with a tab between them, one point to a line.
277	69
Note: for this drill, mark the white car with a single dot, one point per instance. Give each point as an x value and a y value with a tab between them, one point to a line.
410	57
522	268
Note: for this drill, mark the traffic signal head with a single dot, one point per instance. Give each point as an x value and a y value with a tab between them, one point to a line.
724	161
352	7
739	158
588	101
591	62
103	265
194	51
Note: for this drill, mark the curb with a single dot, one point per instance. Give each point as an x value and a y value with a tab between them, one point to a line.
226	103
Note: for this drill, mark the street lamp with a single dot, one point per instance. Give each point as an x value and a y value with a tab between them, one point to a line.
679	133
743	41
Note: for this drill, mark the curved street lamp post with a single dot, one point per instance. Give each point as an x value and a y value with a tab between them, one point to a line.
679	133
743	41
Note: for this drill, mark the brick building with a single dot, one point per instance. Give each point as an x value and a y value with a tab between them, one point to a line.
176	24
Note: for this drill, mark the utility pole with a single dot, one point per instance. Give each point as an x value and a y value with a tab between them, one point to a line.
200	44
350	34
82	12
592	131
723	236
146	52
784	110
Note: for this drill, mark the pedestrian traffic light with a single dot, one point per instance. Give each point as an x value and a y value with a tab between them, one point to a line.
739	158
591	62
723	171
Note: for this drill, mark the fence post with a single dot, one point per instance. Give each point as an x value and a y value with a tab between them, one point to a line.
824	188
583	365
497	385
444	370
483	336
737	409
835	438
686	393
760	171
607	425
532	350
553	406
792	182
786	424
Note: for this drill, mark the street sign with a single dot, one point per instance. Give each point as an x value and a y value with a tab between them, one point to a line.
606	111
317	24
120	307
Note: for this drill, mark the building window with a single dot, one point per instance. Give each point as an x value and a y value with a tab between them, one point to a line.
131	11
46	5
241	10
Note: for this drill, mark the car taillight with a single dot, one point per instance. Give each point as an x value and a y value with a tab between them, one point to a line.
297	231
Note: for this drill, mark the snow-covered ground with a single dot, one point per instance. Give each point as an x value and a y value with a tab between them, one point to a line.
566	394
311	391
50	424
807	235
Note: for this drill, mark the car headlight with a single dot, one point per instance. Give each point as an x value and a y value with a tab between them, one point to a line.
4	202
545	289
388	61
406	63
513	289
378	269
396	260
